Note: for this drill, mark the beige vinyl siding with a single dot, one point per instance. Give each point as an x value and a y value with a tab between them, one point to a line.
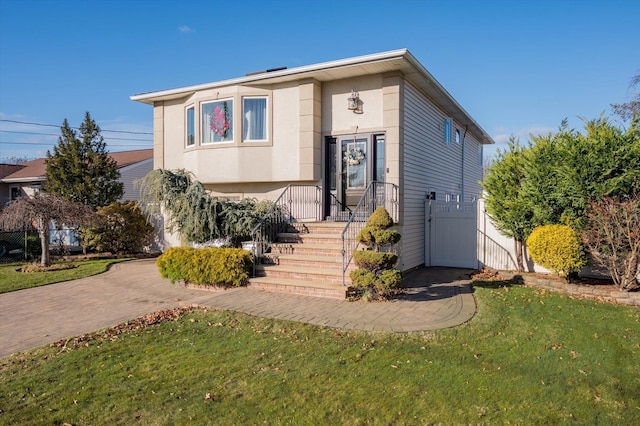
430	165
129	174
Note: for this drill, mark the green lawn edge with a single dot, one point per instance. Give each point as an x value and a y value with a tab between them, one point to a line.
529	356
13	280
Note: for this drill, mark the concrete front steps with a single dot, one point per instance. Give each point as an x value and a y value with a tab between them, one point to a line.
307	260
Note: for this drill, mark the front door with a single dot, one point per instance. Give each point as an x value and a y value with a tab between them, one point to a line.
353	161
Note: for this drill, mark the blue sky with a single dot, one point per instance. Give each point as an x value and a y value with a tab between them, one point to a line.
518	67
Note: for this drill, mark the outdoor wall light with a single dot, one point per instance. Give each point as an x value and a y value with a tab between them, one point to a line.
354	101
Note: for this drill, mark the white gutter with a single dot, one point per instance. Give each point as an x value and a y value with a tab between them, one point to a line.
148	97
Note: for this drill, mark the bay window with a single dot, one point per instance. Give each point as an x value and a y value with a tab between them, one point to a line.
254	119
191	126
217	121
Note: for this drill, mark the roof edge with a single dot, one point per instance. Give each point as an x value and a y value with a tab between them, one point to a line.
186	90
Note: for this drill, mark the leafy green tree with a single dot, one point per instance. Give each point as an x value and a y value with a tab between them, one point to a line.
566	170
506	204
80	169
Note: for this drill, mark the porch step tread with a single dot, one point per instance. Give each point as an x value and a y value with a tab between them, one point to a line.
295	283
308	235
301	270
310	258
325	245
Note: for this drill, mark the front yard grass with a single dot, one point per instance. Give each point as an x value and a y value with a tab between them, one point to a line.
528	357
11	279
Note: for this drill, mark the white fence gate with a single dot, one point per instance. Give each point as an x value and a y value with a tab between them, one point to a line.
451	234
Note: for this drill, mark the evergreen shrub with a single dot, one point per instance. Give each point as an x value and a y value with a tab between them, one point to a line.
374	261
376	278
557	248
119	228
228	267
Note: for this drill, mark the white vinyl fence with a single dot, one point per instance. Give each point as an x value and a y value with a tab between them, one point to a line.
462	235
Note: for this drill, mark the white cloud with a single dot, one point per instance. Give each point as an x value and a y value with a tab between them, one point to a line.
185	29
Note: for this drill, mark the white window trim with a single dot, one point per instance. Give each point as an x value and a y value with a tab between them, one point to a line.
233	118
266	130
186	127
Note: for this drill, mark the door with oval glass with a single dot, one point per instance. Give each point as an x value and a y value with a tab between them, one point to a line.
352	162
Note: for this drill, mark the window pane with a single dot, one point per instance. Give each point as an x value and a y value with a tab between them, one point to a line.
447	130
217	121
190	127
254	125
380	163
354	162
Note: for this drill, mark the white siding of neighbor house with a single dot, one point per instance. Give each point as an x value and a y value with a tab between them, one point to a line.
431	165
129	174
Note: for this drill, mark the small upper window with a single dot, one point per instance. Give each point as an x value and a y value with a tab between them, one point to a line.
217	121
254	119
191	126
447	130
457	136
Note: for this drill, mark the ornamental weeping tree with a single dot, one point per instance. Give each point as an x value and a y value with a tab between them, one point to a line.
39	211
191	211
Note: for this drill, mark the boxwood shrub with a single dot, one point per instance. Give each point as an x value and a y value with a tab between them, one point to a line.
228	267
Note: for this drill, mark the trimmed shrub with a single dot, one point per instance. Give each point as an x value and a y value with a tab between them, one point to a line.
376	278
376	237
363	278
557	248
374	261
380	218
390	281
228	267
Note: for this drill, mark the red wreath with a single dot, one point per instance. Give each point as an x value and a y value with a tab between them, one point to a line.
220	120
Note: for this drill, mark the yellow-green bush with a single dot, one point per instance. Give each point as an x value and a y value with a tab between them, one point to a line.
557	248
380	218
208	266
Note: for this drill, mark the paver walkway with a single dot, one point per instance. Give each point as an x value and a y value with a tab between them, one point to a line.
436	298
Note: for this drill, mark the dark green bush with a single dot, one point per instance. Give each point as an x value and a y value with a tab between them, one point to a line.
229	267
119	228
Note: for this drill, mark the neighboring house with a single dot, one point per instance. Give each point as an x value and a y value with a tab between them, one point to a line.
336	125
28	178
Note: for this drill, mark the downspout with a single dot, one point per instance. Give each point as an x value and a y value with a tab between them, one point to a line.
466	127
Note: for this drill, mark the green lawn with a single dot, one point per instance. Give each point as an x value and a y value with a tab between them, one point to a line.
528	357
11	279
